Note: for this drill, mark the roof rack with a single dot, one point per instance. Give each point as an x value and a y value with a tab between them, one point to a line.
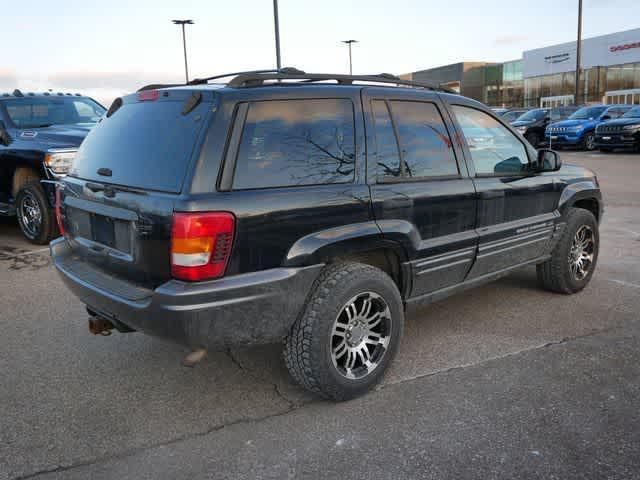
254	78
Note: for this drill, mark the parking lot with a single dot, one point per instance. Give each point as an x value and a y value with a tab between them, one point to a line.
504	381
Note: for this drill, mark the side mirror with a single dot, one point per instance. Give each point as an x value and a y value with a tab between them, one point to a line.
547	119
548	161
605	117
5	138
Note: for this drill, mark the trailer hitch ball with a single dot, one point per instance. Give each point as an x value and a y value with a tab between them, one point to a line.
100	326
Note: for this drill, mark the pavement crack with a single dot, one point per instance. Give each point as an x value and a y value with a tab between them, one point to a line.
276	388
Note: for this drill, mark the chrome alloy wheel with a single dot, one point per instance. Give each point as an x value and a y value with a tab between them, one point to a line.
30	214
581	252
361	335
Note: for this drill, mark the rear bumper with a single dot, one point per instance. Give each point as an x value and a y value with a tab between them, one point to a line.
247	309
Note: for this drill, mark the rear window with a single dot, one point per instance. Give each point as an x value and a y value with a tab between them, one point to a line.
145	144
296	142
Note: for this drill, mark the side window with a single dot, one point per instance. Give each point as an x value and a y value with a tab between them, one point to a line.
296	142
427	150
387	156
494	149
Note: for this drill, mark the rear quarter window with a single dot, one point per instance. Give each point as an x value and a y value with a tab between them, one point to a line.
296	142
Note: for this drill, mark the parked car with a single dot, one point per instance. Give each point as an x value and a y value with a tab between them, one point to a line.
280	206
533	123
623	132
39	137
579	130
513	114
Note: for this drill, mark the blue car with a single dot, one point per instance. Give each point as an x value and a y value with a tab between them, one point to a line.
579	129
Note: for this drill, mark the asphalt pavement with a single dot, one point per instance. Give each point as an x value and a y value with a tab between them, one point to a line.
504	381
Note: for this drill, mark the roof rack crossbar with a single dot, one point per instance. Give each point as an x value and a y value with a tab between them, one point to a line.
285	70
255	79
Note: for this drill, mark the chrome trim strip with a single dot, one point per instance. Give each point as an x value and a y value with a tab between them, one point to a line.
514	238
440	267
445	256
494	252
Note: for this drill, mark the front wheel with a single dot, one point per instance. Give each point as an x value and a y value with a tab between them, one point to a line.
35	217
589	142
574	258
348	333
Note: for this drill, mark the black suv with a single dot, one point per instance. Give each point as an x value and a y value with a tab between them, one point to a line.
533	123
39	136
282	206
623	132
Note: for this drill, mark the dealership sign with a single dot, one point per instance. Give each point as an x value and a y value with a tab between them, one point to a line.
614	49
626	46
559	58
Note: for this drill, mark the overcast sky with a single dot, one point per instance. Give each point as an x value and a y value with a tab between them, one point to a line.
109	48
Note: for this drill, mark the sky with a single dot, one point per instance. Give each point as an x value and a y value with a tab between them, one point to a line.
108	48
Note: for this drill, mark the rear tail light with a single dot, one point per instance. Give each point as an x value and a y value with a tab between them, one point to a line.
201	245
58	210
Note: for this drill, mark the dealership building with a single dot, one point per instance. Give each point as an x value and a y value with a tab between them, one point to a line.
546	76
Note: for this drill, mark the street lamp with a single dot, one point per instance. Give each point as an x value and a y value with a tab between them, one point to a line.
184	44
277	29
349	42
578	52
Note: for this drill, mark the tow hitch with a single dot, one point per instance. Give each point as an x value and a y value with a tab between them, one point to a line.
100	326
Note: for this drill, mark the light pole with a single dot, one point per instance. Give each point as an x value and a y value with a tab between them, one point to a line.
182	23
349	42
277	29
578	52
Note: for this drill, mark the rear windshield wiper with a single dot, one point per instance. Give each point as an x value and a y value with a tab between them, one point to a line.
109	190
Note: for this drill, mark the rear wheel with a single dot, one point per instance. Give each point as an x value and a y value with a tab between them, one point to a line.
574	258
35	217
589	142
348	333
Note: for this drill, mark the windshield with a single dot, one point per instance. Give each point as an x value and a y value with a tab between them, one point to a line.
588	112
537	114
36	112
633	113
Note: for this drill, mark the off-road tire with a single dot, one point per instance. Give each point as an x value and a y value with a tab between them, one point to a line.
555	274
307	348
48	228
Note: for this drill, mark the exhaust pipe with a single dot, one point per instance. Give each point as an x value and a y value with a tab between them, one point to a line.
100	326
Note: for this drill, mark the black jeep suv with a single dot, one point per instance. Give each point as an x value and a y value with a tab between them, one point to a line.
283	206
39	136
623	132
532	124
